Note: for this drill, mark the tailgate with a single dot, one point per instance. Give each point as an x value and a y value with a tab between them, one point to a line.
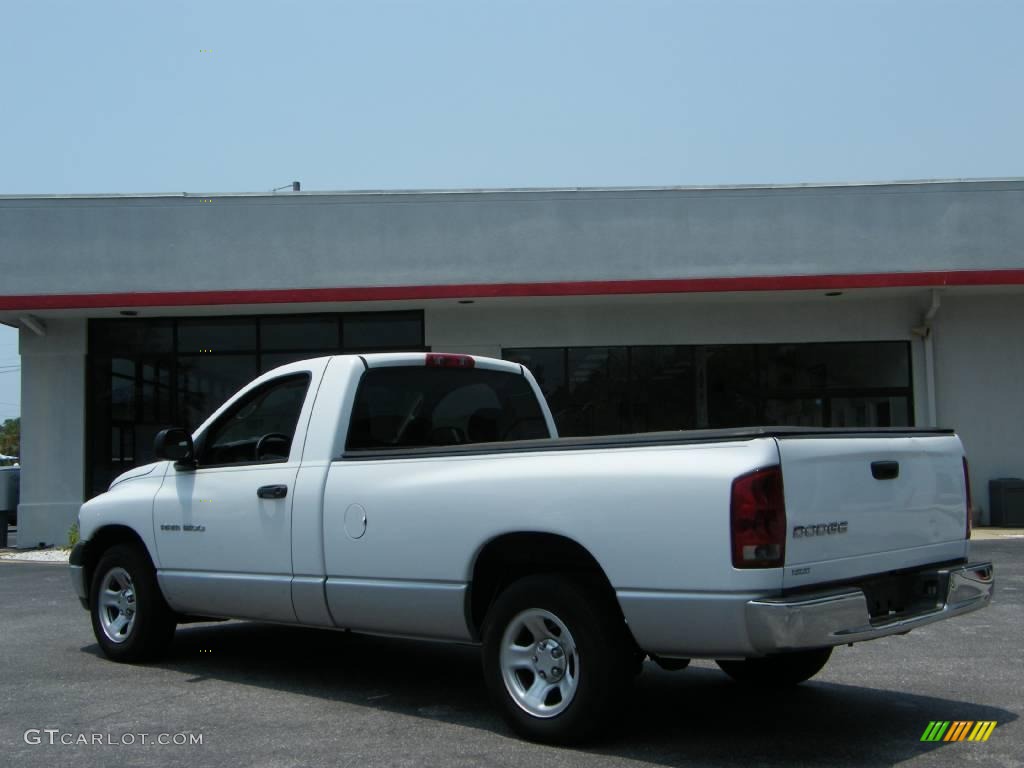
858	505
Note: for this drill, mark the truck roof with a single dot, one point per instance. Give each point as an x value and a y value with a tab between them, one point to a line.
394	359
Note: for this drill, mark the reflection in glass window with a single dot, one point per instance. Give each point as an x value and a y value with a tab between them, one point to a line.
383	331
122	390
155	391
871	411
834	366
125	337
730	373
603	390
598	383
548	369
215	335
794	412
456	408
206	381
300	332
661	389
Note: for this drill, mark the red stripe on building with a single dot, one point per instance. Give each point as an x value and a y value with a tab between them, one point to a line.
991	277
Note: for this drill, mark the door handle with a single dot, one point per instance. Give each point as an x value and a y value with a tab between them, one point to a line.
272	491
885	470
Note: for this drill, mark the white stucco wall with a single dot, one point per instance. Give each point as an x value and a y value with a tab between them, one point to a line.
979	362
52	431
115	244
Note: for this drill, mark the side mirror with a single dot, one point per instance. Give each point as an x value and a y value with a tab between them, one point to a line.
174	444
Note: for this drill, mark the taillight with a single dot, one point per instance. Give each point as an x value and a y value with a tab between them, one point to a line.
758	520
439	360
967	487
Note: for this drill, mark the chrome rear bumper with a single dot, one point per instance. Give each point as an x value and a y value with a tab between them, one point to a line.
837	617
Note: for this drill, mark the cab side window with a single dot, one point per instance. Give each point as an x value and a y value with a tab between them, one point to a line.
259	428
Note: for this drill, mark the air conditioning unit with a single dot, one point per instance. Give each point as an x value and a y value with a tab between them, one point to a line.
1006	502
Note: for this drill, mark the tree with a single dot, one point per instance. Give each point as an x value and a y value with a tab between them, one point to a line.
10	437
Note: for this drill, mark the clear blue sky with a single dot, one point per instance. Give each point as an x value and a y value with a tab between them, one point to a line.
122	97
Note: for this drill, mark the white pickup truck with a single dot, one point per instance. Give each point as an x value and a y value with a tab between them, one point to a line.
428	496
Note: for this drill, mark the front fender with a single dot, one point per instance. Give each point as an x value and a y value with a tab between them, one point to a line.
128	504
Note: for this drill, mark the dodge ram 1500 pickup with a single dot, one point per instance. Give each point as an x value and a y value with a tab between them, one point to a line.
428	496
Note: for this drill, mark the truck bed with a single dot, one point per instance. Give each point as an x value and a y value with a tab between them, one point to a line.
646	439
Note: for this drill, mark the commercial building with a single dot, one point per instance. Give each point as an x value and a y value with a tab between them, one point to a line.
638	309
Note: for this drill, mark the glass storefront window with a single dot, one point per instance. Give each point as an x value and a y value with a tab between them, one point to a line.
871	411
300	333
382	330
156	391
604	390
598	384
661	389
586	387
127	337
729	375
122	390
147	374
206	381
794	411
217	335
548	368
834	366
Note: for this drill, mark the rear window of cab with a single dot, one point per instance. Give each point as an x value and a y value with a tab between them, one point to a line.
420	407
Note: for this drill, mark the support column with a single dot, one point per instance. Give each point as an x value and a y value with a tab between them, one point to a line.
52	430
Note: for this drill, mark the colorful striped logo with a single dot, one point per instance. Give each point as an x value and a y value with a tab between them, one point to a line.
958	730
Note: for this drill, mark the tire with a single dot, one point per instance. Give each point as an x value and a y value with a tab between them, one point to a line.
130	618
781	670
557	658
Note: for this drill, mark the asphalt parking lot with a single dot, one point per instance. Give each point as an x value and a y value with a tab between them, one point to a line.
263	695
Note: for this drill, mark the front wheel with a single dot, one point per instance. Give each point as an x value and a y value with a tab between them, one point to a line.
779	670
130	619
557	658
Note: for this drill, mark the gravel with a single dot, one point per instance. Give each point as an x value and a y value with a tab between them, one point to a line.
38	556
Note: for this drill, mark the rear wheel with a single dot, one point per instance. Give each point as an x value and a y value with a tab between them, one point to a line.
130	619
557	658
779	670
